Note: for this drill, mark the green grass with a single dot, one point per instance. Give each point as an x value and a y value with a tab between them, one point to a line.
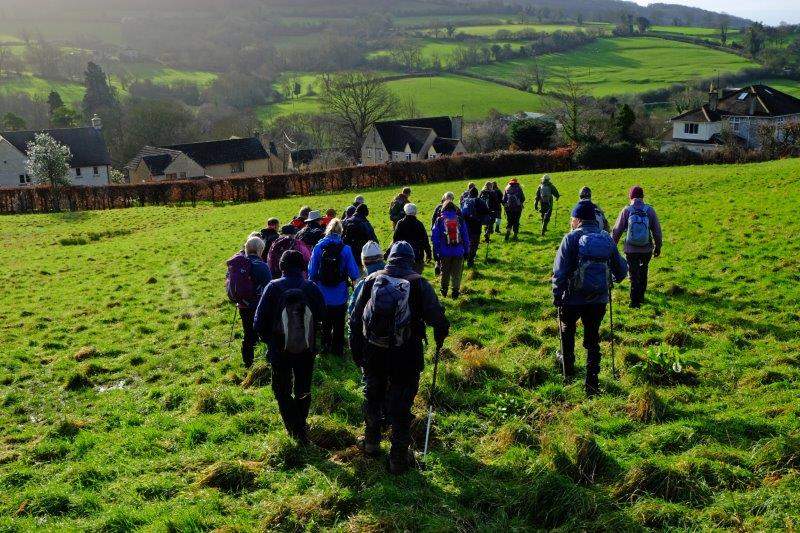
162	75
122	409
490	31
65	29
788	86
626	65
35	86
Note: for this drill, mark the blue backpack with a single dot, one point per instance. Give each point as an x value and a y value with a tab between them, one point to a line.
592	278
638	227
468	208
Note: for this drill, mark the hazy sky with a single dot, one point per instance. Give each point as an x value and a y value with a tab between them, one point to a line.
768	11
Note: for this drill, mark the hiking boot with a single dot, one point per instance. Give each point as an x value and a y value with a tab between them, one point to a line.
592	391
301	435
400	461
443	292
515	238
372	449
455	295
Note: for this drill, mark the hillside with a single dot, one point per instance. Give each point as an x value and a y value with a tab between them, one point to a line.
121	392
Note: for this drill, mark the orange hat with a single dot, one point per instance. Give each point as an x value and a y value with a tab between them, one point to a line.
513	180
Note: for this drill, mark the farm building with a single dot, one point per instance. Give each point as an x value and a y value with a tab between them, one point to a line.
246	157
739	111
412	140
90	163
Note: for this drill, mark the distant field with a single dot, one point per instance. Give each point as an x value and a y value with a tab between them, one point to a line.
110	32
454	19
39	87
162	75
688	30
627	65
787	86
443	49
488	31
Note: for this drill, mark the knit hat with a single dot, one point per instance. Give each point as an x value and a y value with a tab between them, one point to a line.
291	261
410	209
584	210
585	194
401	250
636	192
288	229
371	253
546	177
473	193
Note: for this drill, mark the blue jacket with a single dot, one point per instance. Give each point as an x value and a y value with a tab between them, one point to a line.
371	269
439	239
336	295
268	307
566	264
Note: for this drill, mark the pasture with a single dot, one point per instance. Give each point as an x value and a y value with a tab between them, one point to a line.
491	30
124	406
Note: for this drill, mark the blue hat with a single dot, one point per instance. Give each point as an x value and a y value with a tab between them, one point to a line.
584	210
401	250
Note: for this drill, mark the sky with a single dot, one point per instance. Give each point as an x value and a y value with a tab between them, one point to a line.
768	11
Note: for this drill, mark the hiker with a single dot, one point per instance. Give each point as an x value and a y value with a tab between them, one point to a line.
514	203
585	263
491	200
450	238
358	231
332	265
299	221
387	329
269	235
475	213
499	203
446	197
411	230
287	241
286	319
351	209
396	212
245	281
465	194
372	259
544	200
642	242
585	195
330	214
313	231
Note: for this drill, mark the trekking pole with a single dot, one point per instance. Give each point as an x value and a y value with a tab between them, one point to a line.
611	316
430	404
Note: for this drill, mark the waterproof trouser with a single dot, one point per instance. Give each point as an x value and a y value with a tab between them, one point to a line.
638	265
512	221
291	384
474	244
333	329
249	337
452	269
547	212
591	315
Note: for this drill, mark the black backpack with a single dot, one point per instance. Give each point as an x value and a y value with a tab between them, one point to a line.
331	269
355	233
294	327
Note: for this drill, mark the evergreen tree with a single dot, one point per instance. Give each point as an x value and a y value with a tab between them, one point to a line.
54	101
100	96
624	120
13	122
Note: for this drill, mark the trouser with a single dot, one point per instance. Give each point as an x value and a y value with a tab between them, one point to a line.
497	223
547	212
389	391
512	222
452	269
250	338
591	315
333	329
292	374
638	265
474	243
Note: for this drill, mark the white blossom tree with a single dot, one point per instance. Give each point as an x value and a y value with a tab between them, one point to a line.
48	161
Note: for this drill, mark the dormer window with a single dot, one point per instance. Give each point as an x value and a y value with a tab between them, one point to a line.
691	128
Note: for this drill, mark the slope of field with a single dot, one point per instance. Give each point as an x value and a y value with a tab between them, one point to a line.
491	30
788	86
37	87
626	65
122	406
64	29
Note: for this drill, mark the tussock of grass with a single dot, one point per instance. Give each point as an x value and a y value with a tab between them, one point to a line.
231	476
585	462
533	376
68	428
644	405
328	434
206	402
86	352
674	483
680	339
778	454
78	381
478	365
259	376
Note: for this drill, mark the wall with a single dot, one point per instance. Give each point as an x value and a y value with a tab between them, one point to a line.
373	142
704	132
259	167
88	177
12	164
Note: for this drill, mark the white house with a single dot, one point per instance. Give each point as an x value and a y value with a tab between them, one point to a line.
413	140
740	111
90	163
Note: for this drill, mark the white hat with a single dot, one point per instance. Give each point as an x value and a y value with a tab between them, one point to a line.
371	252
313	215
410	209
359	199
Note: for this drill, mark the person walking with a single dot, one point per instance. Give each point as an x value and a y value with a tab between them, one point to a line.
451	245
331	268
488	196
313	231
350	210
330	214
358	231
585	195
411	230
396	212
269	235
585	263
545	195
514	203
299	221
387	330
499	203
286	319
642	242
475	213
372	259
287	241
247	276
464	195
446	197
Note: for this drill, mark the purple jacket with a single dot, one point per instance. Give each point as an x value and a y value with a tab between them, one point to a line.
439	238
621	227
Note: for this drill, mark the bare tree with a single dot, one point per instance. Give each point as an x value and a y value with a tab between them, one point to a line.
408	108
408	54
687	99
570	105
355	100
534	75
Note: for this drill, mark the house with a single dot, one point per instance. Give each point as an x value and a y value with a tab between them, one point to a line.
90	163
739	111
413	140
245	157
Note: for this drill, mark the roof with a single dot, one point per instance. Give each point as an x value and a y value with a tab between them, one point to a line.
148	151
86	144
445	146
752	101
224	151
158	163
395	134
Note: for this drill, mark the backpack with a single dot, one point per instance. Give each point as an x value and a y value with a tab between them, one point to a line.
295	323
387	315
513	202
355	233
592	277
397	210
239	280
311	235
546	193
638	227
281	244
330	267
469	208
452	230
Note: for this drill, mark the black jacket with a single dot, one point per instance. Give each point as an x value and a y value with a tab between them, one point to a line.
311	234
411	230
268	235
492	201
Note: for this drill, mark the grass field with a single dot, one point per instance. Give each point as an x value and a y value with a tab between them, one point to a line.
65	29
787	86
491	30
36	87
122	403
627	65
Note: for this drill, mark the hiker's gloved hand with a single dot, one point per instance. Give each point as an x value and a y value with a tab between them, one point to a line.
657	252
439	335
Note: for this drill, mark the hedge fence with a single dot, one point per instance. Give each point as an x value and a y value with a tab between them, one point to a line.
42	199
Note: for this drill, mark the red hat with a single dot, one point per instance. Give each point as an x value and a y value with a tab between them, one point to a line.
513	180
636	192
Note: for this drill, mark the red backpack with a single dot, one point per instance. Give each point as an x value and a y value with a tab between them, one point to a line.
239	280
452	229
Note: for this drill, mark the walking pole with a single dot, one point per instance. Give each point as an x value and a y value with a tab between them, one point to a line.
430	405
611	316
561	346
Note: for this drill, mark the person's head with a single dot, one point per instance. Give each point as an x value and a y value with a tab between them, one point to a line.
313	216
410	209
471	185
585	193
407	191
273	223
358	200
334	227
473	192
304	211
291	262
546	178
513	181
371	254
254	234
401	252
636	192
254	246
583	212
350	211
330	213
487	186
448	197
362	210
449	205
494	186
288	229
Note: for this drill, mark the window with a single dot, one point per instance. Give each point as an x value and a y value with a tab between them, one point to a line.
95	170
408	157
78	172
183	175
237	168
691	128
172	176
22	179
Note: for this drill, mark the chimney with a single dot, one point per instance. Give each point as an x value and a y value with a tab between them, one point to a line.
97	123
713	98
457	127
753	97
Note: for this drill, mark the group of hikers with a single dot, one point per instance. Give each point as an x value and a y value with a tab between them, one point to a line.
310	277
